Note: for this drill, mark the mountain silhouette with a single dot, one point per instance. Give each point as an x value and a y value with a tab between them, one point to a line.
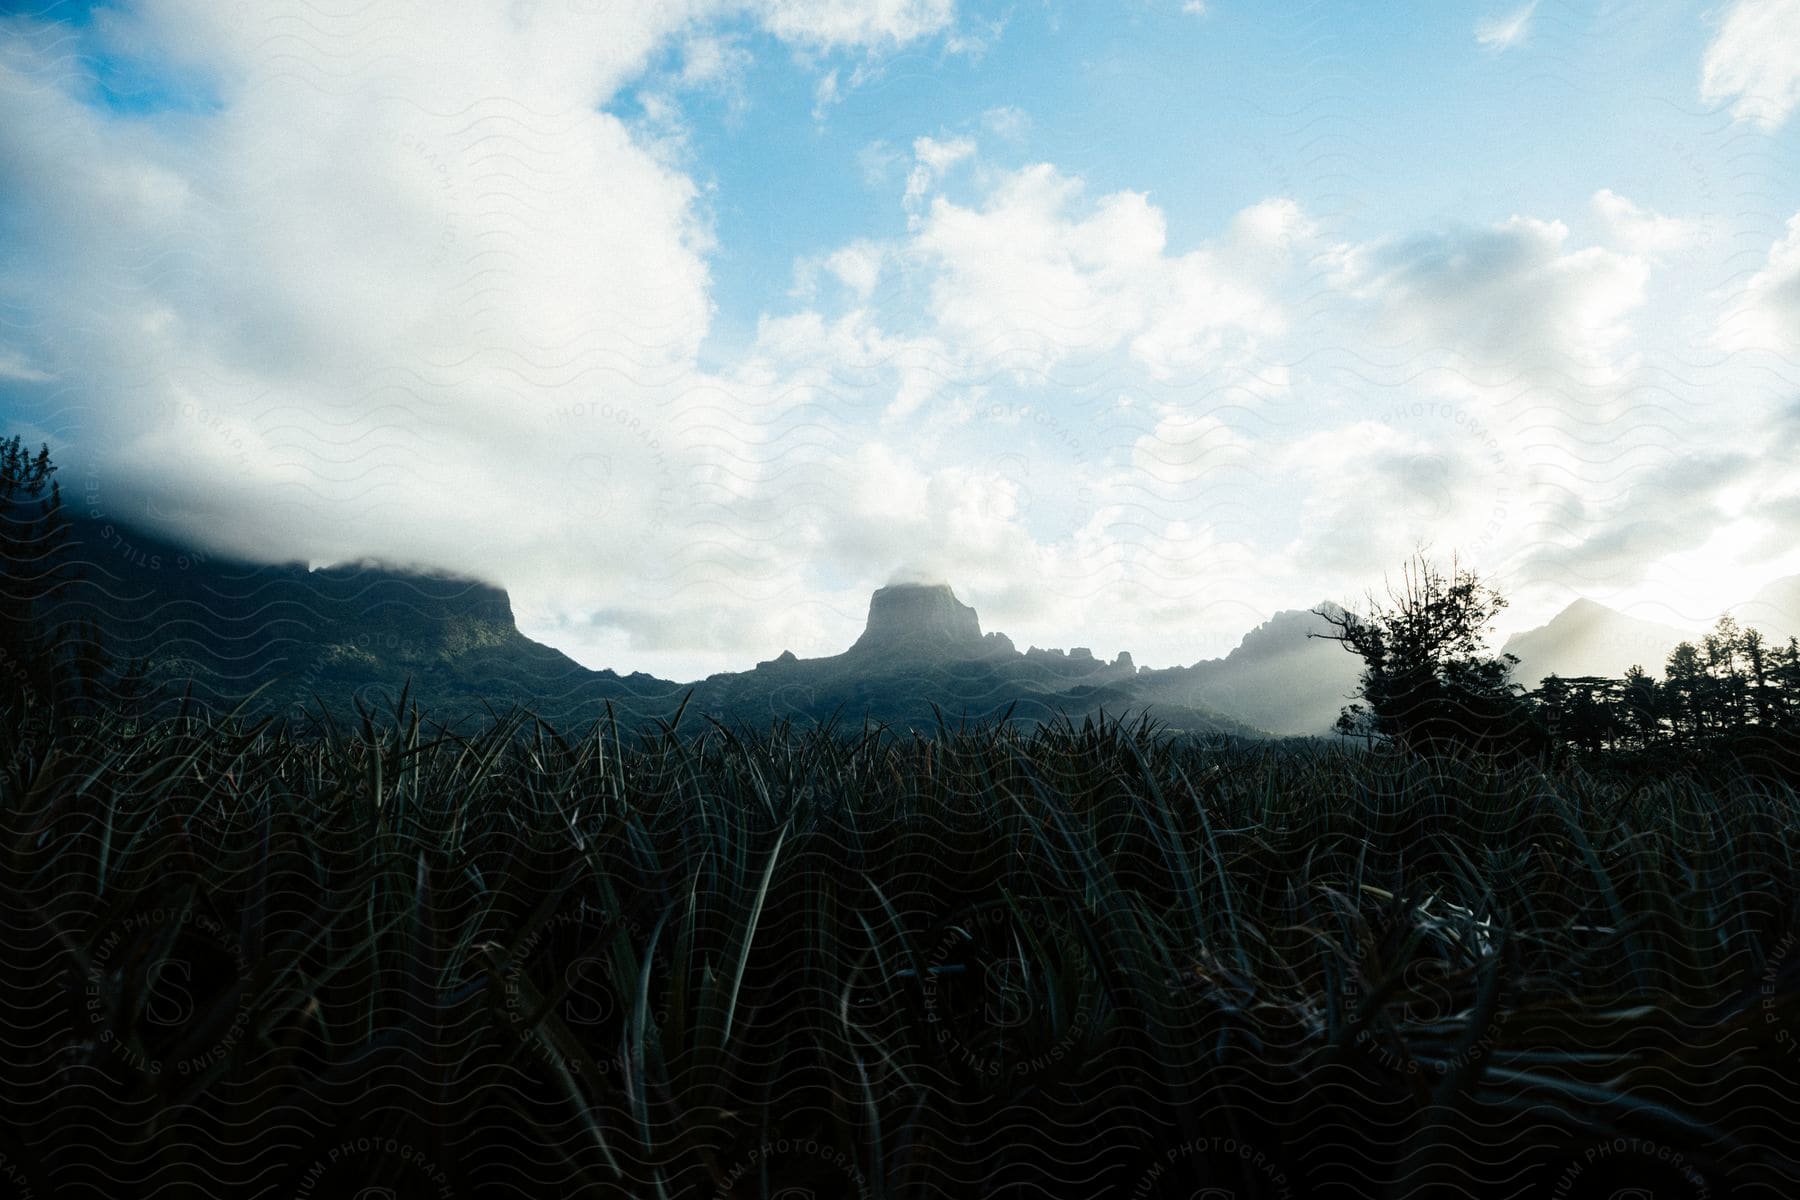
223	629
922	655
1588	638
1775	610
1279	678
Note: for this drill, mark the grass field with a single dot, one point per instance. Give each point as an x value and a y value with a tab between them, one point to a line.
1085	961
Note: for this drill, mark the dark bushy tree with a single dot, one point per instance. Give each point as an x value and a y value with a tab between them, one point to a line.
32	530
1588	712
48	657
1429	681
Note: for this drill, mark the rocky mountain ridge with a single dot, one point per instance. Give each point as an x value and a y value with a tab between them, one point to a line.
302	637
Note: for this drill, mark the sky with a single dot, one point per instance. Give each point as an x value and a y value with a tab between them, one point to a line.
691	322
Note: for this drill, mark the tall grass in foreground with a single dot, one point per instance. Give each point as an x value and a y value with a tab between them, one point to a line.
1085	960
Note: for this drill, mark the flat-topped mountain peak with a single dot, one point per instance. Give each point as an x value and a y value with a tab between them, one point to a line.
919	617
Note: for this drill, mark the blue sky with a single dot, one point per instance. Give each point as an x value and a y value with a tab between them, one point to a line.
1400	112
693	322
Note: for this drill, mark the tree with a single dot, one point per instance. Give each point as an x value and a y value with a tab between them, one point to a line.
1785	679
1684	690
1726	691
1590	712
32	529
1756	655
1643	700
1428	680
46	658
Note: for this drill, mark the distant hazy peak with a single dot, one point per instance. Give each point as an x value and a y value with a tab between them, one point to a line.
1283	633
1590	638
1583	611
1775	610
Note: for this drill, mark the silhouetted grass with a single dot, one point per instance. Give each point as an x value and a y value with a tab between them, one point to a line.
1085	960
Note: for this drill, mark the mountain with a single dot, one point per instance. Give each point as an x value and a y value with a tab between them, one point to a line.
1278	678
1775	610
1588	638
922	620
922	653
295	637
226	628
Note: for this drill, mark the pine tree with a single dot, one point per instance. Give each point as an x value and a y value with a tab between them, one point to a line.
1684	689
1642	702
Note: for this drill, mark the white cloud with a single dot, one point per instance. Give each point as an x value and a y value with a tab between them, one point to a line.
1505	300
932	159
850	23
1641	231
857	266
1007	121
1371	490
876	162
1505	32
15	367
826	93
376	306
939	156
1754	62
1035	275
1766	315
408	291
712	60
992	466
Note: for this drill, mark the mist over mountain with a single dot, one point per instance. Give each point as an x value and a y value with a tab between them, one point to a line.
919	619
1279	678
333	635
227	628
296	637
1775	610
1588	638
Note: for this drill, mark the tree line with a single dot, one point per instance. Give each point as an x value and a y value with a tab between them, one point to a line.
1429	682
49	659
1733	682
